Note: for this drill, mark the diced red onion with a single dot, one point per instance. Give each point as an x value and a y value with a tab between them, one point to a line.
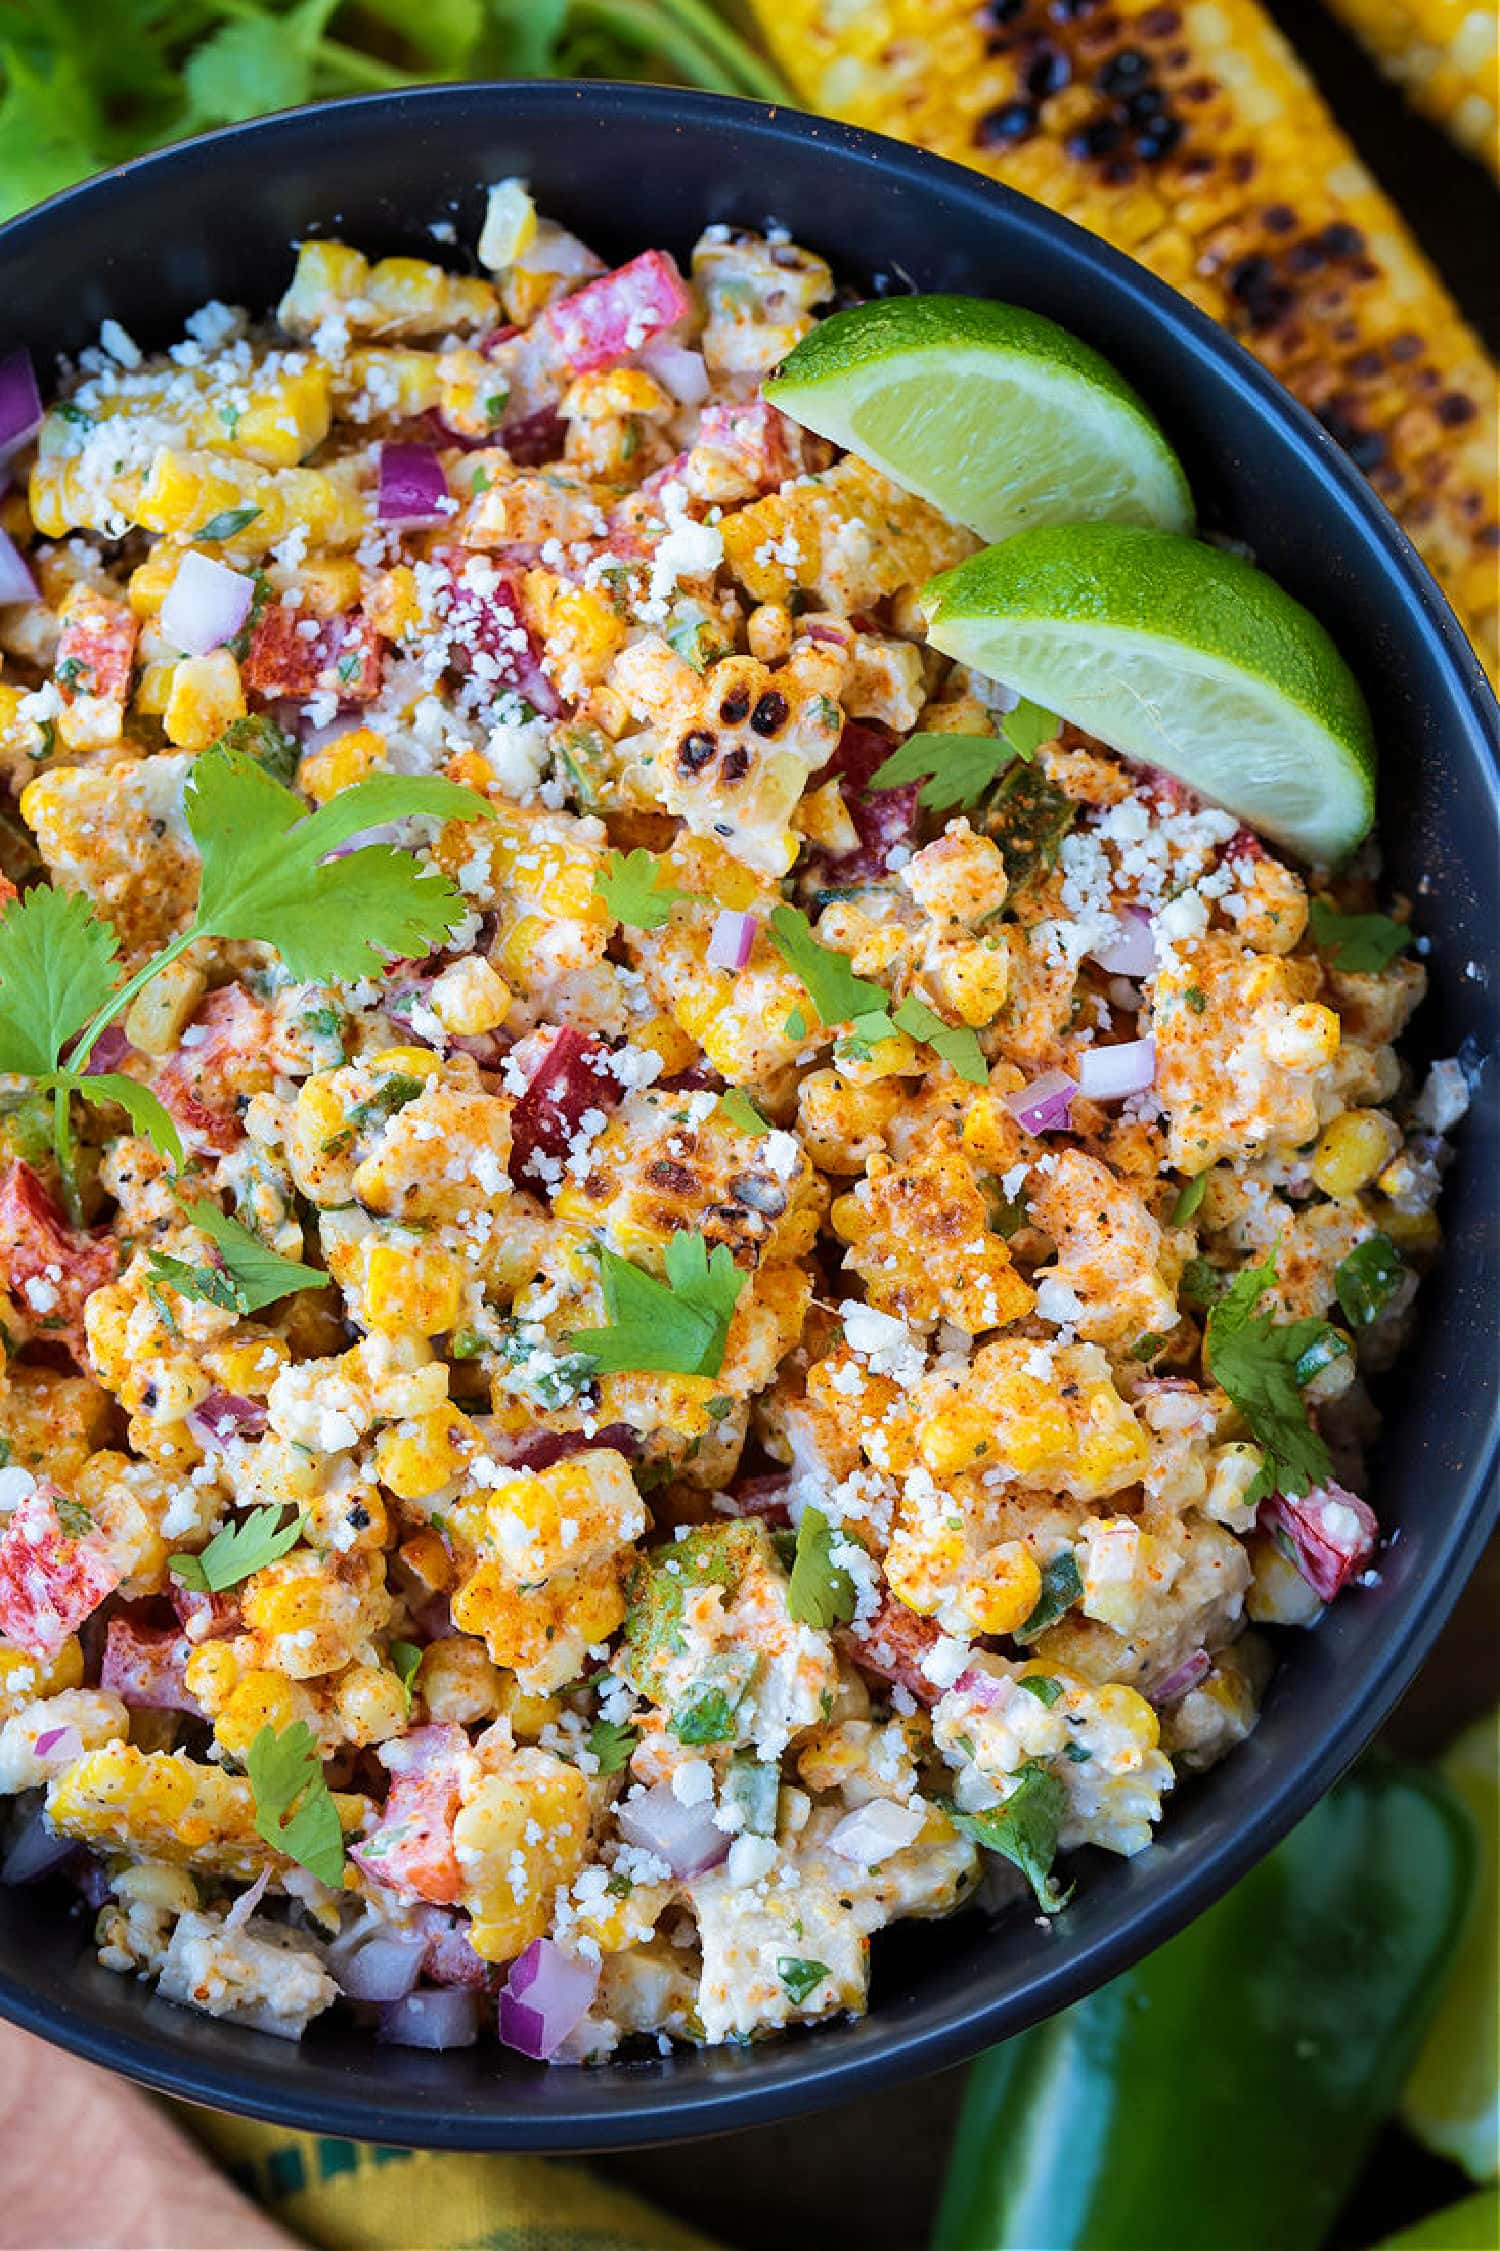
1132	953
59	1743
983	1689
677	370
1107	1074
20	401
686	1837
546	1996
16	581
382	1969
733	939
1046	1105
245	1906
206	605
224	1415
34	1851
873	1832
1332	1534
412	485
445	2017
1181	1679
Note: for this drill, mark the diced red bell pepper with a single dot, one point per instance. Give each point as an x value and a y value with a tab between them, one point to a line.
487	620
612	317
884	818
760	442
220	1060
572	1077
96	647
51	1578
892	1644
344	658
144	1666
1332	1534
412	1849
50	1268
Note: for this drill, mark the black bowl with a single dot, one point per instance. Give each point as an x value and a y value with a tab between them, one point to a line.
629	167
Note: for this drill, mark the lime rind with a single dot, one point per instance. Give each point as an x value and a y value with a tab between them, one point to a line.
1179	655
996	415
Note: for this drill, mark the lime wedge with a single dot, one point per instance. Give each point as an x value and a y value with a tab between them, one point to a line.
997	416
1182	656
1452	2101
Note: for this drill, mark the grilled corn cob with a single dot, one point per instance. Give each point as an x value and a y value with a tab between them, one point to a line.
1445	57
1191	137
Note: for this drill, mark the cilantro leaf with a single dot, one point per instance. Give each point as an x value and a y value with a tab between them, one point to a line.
612	1742
147	1112
1259	1362
252	1275
632	887
405	1658
1024	1830
266	875
821	1592
1062	1586
1189	1196
237	1550
678	1327
800	1975
1368	1279
957	1044
962	768
57	969
834	990
742	1112
1359	943
294	1808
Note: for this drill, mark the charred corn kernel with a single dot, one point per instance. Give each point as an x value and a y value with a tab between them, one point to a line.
393	606
417	1457
1444	55
413	1289
522	1833
23	1677
1241	191
1303	1038
1008	1592
206	698
469	998
1352	1150
329	585
155	1019
527	1711
428	1560
339	764
457	1681
509	225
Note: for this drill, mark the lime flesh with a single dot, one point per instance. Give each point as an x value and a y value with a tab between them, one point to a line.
996	415
1179	655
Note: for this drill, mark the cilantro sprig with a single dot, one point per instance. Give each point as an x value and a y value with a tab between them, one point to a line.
676	1327
611	1742
841	997
265	876
237	1551
1358	943
821	1593
294	1808
246	1275
1025	1830
634	887
1263	1365
961	769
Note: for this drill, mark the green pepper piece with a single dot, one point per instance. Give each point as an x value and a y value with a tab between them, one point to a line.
1226	2090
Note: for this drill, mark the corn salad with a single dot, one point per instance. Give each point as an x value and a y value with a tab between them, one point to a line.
744	1470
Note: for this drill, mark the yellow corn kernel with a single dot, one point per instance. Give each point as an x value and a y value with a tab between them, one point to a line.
247	1365
411	1062
457	1681
1008	1592
153	689
326	273
523	1833
170	1808
157	1016
1412	1231
664	1036
329	585
824	819
1306	1039
971	978
260	1699
428	1560
393	606
24	1677
206	697
417	1457
527	1710
151	582
412	1289
1123	1708
369	1705
1352	1149
469	998
339	764
286	418
509	225
152	1883
400	380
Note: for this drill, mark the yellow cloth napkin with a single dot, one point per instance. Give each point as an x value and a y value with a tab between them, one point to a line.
357	2196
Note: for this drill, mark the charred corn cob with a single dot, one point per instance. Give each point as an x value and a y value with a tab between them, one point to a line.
1191	137
1445	57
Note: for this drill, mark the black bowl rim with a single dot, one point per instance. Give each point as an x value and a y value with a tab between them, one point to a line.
616	2109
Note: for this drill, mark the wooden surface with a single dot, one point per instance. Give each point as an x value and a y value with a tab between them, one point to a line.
867	2174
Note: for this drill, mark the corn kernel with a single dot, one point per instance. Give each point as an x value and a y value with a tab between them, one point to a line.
393	607
412	1289
206	697
339	764
469	998
416	1458
1352	1149
1008	1592
159	1013
329	586
411	1062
